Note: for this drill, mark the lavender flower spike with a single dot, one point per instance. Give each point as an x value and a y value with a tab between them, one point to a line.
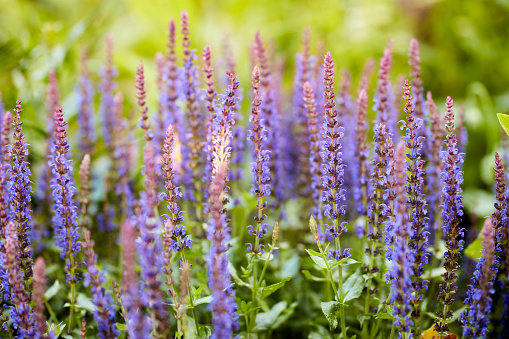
452	210
138	324
65	218
104	312
333	167
20	187
475	318
315	160
224	315
21	313
107	106
85	93
401	270
260	167
416	202
149	244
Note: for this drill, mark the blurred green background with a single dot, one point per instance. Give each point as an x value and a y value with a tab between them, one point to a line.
464	44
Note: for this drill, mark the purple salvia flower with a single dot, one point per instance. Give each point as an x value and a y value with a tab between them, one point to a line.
107	105
302	75
21	313
19	186
85	98
175	237
479	303
5	138
223	306
149	243
332	166
268	112
2	108
366	74
346	116
315	160
452	210
65	219
260	167
84	174
378	209
360	162
209	98
416	203
123	159
138	324
159	120
174	114
400	272
104	311
38	297
192	143
43	189
435	167
383	101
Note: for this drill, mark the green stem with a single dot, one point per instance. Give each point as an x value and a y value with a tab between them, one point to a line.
393	331
50	311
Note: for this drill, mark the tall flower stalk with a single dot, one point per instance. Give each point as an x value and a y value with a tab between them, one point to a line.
104	312
149	246
416	201
452	210
21	313
20	189
333	176
65	218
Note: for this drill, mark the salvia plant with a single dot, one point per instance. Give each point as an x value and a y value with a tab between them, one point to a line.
229	211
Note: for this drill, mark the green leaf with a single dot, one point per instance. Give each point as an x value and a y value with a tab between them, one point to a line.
311	277
384	312
504	121
473	251
121	327
343	262
66	336
197	292
283	317
266	319
268	290
320	333
317	258
329	309
82	301
53	290
204	300
291	267
235	277
353	286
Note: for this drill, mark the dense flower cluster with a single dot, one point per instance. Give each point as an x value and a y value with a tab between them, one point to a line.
170	222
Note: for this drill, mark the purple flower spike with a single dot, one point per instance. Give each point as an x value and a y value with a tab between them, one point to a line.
303	76
65	219
315	161
416	203
400	272
21	313
332	167
20	188
452	210
104	311
175	236
435	167
360	160
138	324
260	167
144	124
479	303
107	105
223	306
192	150
85	94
